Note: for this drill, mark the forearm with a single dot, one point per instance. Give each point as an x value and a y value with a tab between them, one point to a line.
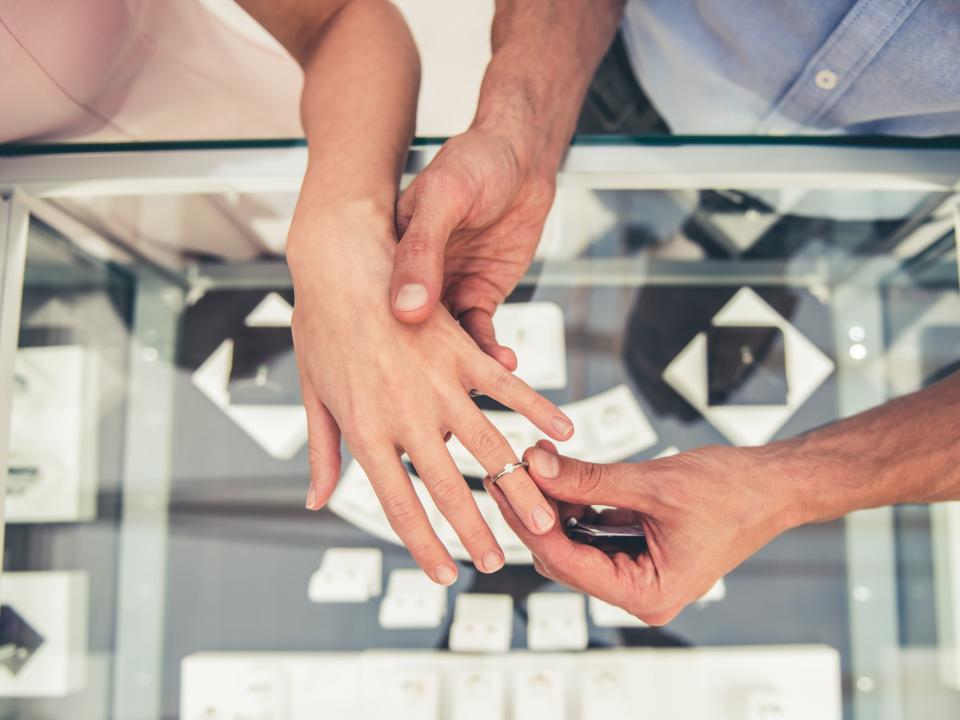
359	99
906	451
361	77
544	56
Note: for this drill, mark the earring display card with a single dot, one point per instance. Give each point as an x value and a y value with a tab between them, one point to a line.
52	472
604	614
540	693
347	575
44	626
482	623
406	695
556	621
412	601
479	695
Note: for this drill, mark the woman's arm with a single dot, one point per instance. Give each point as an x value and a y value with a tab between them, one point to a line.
389	388
361	77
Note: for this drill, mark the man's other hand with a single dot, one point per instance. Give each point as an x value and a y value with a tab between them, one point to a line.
703	512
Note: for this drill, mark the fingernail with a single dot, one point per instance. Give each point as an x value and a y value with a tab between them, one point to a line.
311	497
492	561
446	575
544	464
562	426
547	445
411	297
542	519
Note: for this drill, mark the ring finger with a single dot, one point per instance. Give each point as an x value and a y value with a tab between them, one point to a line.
493	452
453	498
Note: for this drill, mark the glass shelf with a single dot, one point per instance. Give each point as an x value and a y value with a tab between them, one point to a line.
159	562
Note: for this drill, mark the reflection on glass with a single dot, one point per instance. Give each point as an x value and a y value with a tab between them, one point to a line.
659	320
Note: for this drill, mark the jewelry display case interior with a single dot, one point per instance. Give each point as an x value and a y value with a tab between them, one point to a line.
158	560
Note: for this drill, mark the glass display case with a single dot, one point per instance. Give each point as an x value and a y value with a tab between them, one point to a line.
159	563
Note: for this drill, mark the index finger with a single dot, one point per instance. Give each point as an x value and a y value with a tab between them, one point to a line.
495	381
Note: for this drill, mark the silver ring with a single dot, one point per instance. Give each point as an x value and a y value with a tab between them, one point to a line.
507	469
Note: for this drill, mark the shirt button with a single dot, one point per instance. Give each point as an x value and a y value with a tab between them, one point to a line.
826	80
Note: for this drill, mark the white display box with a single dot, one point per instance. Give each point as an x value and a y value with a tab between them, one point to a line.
945	528
482	622
55	605
347	575
556	621
412	601
52	473
788	682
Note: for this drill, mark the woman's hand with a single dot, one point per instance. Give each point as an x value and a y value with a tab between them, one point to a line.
394	388
703	513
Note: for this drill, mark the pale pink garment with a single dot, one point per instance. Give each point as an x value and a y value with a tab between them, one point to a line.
113	70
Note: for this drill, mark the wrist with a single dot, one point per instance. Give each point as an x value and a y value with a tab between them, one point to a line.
527	111
793	482
819	478
352	243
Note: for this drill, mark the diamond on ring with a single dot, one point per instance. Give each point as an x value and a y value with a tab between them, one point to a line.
507	469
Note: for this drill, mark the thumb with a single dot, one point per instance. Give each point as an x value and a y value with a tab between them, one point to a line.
418	260
584	483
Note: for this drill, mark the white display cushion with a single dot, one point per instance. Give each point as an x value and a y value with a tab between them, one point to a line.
52	473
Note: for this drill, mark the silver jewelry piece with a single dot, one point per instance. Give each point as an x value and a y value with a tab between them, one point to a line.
509	468
605	531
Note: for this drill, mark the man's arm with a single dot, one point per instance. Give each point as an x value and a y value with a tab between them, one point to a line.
472	219
906	451
706	511
544	56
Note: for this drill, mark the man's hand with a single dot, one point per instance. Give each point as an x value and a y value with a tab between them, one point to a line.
481	207
471	221
704	512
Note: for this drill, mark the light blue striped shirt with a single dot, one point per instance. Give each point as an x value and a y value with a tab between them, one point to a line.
799	66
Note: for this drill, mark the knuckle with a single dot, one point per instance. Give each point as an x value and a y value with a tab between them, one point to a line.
424	551
447	491
589	478
401	512
545	569
474	534
539	405
363	444
414	247
486	440
503	382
